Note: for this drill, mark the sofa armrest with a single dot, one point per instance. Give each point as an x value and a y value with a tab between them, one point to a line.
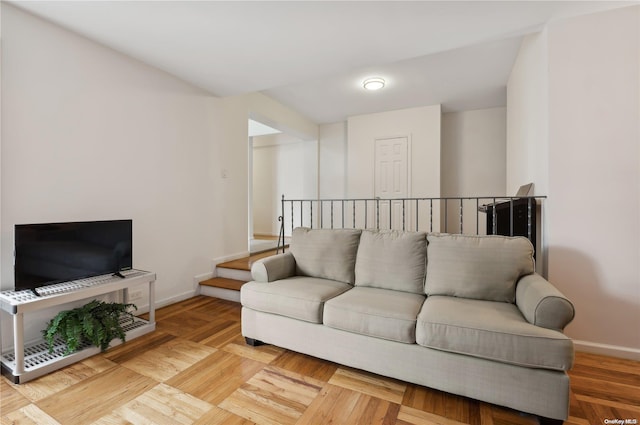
542	304
273	268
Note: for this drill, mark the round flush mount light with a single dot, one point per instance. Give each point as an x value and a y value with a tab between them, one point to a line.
373	83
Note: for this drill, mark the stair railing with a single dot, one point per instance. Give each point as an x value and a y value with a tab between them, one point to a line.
504	215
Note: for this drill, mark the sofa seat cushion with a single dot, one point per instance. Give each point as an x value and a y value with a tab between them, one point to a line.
491	330
297	297
325	253
478	267
391	259
375	312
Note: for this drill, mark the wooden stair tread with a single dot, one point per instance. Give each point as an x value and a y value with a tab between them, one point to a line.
224	283
246	262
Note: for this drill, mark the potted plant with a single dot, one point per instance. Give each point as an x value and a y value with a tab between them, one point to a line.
97	323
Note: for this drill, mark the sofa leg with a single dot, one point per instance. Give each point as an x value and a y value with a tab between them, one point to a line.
549	421
253	342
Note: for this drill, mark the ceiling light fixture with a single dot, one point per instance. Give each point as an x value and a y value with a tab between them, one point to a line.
373	83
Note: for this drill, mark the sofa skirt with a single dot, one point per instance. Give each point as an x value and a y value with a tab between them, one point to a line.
536	391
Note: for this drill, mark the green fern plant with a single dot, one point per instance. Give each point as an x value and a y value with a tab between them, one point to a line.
97	323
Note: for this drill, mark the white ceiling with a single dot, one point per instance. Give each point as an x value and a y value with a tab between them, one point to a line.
313	55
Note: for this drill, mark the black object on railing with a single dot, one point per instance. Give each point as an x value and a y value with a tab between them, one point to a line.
281	220
280	236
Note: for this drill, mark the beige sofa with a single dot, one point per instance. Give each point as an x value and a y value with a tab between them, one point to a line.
462	314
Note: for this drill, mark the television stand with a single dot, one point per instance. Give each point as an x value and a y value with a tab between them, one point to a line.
24	363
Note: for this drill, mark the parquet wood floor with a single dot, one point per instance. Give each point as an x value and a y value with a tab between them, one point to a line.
195	369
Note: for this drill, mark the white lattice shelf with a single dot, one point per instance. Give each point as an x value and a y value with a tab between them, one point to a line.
25	363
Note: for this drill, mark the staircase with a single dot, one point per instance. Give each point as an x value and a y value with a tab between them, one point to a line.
230	277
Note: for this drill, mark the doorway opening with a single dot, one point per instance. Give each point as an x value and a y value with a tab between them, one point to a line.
280	163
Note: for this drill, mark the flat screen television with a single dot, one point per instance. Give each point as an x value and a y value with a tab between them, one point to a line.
59	252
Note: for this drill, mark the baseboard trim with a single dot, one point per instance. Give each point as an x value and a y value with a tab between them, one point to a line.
201	278
607	350
177	298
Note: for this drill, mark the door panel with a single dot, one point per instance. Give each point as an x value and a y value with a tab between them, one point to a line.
391	180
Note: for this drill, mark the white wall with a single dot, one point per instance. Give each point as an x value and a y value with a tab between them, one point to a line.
527	117
422	128
473	163
276	115
333	160
265	201
421	125
1	268
232	193
93	135
574	120
282	164
594	174
233	233
528	131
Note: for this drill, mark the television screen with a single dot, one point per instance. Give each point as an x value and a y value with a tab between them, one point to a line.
59	252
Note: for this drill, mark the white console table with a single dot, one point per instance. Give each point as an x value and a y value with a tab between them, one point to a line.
25	363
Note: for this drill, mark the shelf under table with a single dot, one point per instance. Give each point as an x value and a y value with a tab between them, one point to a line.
25	362
38	361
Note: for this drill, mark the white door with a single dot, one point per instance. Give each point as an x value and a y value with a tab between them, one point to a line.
391	182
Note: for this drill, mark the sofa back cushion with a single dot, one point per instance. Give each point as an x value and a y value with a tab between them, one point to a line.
325	253
392	259
477	267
